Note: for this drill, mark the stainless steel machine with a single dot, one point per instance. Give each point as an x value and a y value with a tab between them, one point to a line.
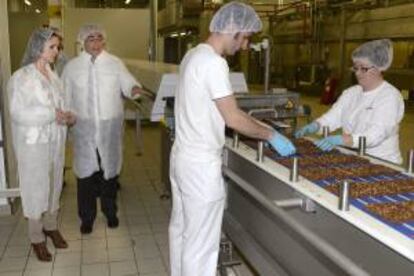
286	227
292	226
280	110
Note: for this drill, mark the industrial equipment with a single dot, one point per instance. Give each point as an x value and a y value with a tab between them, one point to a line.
287	227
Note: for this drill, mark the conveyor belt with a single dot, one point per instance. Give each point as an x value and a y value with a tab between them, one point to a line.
404	227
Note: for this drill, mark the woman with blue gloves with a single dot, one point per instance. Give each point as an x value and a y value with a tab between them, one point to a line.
372	109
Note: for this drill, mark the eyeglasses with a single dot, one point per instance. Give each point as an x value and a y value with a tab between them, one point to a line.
360	68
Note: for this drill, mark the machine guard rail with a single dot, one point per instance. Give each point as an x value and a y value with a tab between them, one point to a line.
329	253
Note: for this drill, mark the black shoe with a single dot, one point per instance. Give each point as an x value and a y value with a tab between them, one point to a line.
113	222
86	228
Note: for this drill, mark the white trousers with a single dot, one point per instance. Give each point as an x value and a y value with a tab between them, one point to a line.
198	203
47	222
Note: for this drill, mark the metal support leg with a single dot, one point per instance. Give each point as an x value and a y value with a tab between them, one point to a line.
227	257
138	132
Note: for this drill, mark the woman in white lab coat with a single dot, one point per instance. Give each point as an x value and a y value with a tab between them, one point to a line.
372	109
39	133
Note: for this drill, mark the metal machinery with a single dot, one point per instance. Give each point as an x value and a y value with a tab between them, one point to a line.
161	79
277	109
286	225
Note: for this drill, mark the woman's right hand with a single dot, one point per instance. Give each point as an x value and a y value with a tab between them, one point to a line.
308	129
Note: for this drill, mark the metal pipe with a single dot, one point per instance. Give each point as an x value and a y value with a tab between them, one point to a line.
328	252
294	171
235	140
362	144
267	67
410	161
344	194
325	131
257	111
289	203
152	51
259	156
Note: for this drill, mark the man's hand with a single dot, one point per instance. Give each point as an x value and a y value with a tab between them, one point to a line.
70	118
136	91
60	116
282	144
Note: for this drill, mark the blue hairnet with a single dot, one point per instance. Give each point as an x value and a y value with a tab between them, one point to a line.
89	29
235	17
378	52
36	44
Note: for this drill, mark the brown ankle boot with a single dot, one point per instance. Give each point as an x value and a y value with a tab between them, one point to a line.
57	239
41	251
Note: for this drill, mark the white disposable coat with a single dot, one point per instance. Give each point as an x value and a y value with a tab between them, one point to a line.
104	131
375	114
39	142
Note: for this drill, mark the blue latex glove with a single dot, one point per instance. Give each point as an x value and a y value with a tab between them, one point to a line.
328	143
282	144
308	129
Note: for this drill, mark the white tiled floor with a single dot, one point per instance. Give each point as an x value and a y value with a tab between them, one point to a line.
139	246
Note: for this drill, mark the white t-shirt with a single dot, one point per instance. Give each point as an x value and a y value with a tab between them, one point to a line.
204	77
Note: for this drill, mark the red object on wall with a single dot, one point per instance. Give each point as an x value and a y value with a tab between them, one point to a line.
328	95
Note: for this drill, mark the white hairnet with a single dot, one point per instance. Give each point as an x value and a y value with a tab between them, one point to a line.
36	43
378	52
89	29
235	17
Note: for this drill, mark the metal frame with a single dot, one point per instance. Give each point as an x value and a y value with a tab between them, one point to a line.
287	240
334	257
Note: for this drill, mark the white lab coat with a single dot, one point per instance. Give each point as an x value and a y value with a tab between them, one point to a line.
375	114
111	80
39	142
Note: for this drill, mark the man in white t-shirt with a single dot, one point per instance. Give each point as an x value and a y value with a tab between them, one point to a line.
204	104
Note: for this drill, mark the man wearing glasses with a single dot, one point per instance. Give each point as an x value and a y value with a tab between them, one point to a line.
94	84
373	108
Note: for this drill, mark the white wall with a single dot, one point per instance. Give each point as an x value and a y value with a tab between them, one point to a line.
5	69
4	41
128	30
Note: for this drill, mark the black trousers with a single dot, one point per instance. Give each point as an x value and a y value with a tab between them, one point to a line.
92	187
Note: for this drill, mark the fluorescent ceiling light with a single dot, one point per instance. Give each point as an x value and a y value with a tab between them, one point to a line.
27	2
37	10
183	33
127	2
174	35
